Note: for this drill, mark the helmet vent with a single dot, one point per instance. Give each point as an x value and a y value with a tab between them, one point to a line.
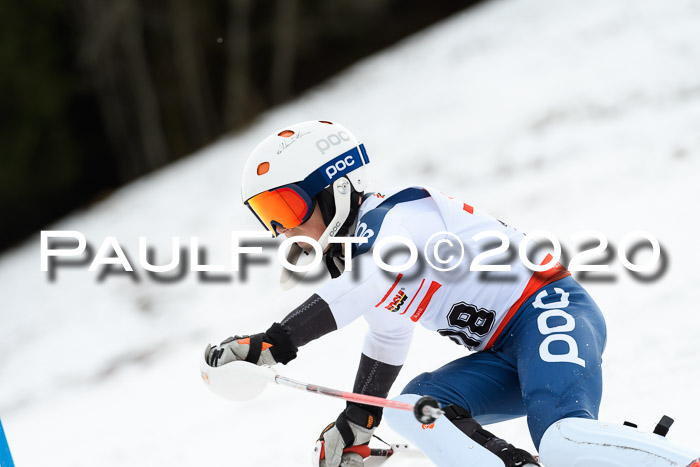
285	133
263	168
326	122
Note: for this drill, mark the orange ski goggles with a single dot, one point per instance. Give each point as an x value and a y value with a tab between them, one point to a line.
288	206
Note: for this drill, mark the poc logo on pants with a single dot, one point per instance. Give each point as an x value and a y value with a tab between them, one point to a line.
339	166
555	333
334	139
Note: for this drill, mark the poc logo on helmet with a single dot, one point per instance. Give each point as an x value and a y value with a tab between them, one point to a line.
334	139
339	166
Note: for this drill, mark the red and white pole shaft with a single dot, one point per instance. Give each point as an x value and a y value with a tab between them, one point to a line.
426	409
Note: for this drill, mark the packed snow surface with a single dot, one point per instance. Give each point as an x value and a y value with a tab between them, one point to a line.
563	116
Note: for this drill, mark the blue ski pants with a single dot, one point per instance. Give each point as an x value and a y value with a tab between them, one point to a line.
545	365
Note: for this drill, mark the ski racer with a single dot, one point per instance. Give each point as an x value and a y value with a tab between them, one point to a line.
537	337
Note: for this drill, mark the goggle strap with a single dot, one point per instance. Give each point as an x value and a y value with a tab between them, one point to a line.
363	153
334	169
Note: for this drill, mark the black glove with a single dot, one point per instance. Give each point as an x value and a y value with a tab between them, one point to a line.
268	348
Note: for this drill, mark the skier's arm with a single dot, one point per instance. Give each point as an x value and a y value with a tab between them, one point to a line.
313	319
309	321
374	378
384	351
279	344
356	424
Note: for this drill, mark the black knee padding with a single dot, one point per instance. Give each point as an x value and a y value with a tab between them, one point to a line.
455	412
462	419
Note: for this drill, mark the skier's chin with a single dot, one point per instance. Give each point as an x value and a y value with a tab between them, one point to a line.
303	245
306	247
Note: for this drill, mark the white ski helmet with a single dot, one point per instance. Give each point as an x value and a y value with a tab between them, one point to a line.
302	164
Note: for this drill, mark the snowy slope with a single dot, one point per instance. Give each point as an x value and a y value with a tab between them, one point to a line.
556	115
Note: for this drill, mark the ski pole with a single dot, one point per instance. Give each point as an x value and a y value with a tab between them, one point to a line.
426	409
241	381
